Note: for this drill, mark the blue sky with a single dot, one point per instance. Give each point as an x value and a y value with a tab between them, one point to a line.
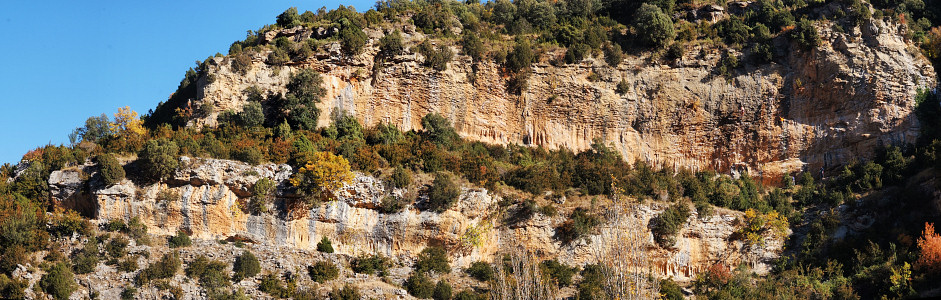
63	61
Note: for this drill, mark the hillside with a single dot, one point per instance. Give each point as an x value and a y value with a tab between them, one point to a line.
510	150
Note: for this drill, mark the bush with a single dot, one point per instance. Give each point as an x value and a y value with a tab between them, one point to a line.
111	170
252	115
210	273
12	256
613	54
670	290
653	26
576	53
260	191
159	158
117	247
623	87
86	260
472	46
249	155
12	288
241	62
128	293
352	39
348	292
433	259
245	266
128	265
370	264
325	245
442	291
481	271
391	205
391	44
668	224
181	239
289	18
560	273
438	130
323	173
401	177
805	35
579	224
165	268
443	193
272	284
419	286
323	271
305	88
521	57
278	57
58	282
136	229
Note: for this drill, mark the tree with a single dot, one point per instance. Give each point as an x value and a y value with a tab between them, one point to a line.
653	26
159	158
419	285
613	54
126	122
323	271
438	129
443	193
252	115
521	57
325	245
930	246
58	282
805	35
304	92
323	173
472	46
348	292
669	223
111	170
391	44
289	18
352	39
95	128
433	259
245	266
442	291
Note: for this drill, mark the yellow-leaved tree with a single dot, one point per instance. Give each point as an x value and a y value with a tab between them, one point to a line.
323	174
127	122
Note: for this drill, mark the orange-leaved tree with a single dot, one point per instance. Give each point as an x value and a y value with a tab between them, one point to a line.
323	174
930	245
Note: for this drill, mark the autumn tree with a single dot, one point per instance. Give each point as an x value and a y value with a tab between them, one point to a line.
321	176
930	245
126	122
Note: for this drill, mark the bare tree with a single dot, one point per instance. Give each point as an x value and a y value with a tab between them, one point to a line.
524	280
621	251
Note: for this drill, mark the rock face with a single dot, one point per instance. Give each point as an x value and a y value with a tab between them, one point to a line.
810	109
207	197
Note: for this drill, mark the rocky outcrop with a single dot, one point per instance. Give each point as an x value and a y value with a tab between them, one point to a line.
809	109
207	198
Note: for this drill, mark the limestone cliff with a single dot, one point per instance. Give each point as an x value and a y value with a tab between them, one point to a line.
209	197
809	109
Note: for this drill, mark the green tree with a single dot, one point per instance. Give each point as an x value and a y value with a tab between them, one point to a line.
181	239
289	18
472	46
348	292
419	285
323	271
85	261
352	39
59	282
111	170
245	266
443	193
442	291
438	129
480	270
304	93
521	57
325	245
653	26
159	158
391	44
805	35
252	115
433	259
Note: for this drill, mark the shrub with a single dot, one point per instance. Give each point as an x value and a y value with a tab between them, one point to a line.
210	273
668	224
127	265
391	44
117	247
670	290
12	256
472	46
323	271
443	193
245	266
419	285
438	130
58	282
805	35
391	205
654	27
348	292
929	245
521	57
12	288
370	264
278	57
560	273
576	53
159	158
251	115
181	239
164	268
323	173
260	192
116	225
579	224
249	155
442	291
128	293
352	39
401	177
468	295
289	18
304	92
136	229
85	261
241	62
272	284
613	54
433	259
623	87
481	271
325	245
111	170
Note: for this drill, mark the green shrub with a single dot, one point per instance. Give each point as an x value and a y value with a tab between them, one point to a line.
245	266
159	158
116	225
181	239
12	288
623	87
438	130
442	291
521	57
433	259
111	170
242	62
323	271
480	270
352	39
579	224
469	295
289	18
576	53
136	229
86	260
613	54
252	115
58	282
304	92
391	44
128	264
12	256
443	193
560	273
348	292
435	57
472	46
401	177
250	155
278	57
805	35
164	268
669	223
117	247
210	273
370	264
391	205
260	193
128	293
273	285
653	26
325	245
418	285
